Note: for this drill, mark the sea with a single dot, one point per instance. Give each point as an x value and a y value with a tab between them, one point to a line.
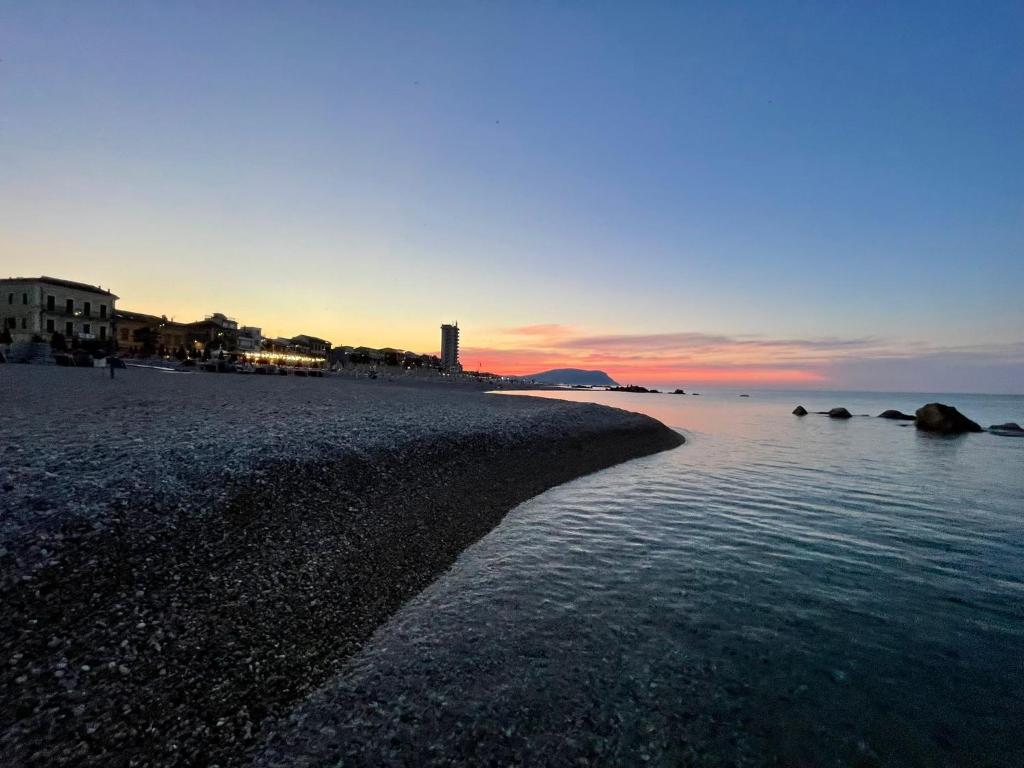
779	591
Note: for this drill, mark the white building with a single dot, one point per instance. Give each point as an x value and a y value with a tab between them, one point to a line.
450	347
37	307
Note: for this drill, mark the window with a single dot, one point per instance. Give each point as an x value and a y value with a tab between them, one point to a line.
87	308
87	329
69	329
11	322
49	326
24	298
51	303
124	334
24	323
10	298
103	333
103	311
69	306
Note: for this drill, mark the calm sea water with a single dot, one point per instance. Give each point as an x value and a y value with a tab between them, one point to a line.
778	591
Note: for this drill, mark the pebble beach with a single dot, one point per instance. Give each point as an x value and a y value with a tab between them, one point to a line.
186	556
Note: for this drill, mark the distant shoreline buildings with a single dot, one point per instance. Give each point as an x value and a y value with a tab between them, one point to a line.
69	316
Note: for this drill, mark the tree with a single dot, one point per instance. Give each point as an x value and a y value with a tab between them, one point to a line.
5	335
58	342
180	353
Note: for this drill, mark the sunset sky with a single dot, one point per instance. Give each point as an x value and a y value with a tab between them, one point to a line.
782	194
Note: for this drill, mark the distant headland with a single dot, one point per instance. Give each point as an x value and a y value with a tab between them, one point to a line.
574	377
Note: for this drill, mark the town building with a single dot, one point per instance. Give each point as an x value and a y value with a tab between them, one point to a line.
173	336
216	331
250	339
138	332
339	356
450	348
135	331
312	346
35	308
366	356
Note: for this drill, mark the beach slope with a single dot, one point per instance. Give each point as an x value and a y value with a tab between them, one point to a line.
185	556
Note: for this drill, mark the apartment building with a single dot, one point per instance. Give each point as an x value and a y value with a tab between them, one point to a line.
37	307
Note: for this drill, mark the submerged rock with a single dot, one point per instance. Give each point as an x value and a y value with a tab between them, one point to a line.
944	419
799	411
893	414
839	413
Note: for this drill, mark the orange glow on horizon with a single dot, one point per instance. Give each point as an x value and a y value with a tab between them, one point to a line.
525	362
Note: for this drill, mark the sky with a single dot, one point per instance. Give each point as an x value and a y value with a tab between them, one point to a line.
784	194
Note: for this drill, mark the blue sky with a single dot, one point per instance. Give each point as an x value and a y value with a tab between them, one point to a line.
364	171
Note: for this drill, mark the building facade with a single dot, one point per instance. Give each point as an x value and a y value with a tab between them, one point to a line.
138	332
217	331
312	346
135	331
250	339
173	336
450	347
35	308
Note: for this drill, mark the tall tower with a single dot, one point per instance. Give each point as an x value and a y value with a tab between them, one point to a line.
450	347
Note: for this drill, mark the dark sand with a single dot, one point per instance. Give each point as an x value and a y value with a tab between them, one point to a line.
184	557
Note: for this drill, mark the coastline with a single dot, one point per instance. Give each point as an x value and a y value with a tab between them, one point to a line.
187	556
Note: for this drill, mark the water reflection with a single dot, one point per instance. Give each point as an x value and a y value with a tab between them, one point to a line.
780	590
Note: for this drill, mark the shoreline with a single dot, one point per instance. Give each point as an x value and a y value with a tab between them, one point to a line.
164	618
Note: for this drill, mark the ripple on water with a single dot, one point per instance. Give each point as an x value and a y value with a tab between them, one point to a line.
781	590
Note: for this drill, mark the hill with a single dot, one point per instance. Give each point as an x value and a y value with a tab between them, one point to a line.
572	376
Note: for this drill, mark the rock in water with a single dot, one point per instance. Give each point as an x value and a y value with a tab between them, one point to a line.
1010	426
799	411
944	419
1009	429
891	414
839	413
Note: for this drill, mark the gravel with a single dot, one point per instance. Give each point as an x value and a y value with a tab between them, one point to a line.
183	557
